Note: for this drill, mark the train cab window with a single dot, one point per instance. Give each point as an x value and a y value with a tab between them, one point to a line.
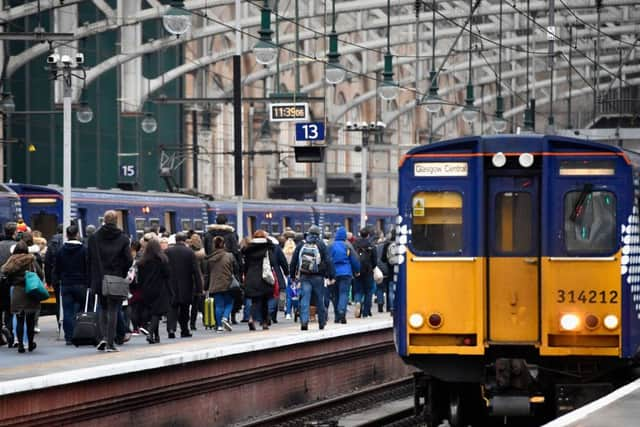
186	224
140	226
437	222
514	224
590	222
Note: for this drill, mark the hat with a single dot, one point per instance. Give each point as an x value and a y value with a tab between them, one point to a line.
314	229
21	227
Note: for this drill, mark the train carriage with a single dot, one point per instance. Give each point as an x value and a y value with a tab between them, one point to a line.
519	291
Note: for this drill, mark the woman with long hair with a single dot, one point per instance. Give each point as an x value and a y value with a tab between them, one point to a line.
22	305
256	288
221	271
153	277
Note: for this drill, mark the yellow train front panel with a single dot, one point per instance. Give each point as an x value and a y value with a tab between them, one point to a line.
448	294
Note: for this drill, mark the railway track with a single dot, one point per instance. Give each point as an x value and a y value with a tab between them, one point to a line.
327	412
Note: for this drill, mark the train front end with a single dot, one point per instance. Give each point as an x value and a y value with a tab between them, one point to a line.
519	291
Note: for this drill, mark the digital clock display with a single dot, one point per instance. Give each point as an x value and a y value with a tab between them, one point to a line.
288	112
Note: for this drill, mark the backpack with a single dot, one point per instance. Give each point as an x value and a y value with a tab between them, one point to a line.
364	256
392	254
309	258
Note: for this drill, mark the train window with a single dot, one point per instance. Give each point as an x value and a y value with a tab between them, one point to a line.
514	225
437	222
154	222
252	225
298	228
186	224
198	225
590	221
275	228
140	225
100	220
587	167
286	222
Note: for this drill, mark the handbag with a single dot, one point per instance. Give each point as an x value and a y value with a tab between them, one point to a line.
234	283
267	273
378	277
115	286
34	287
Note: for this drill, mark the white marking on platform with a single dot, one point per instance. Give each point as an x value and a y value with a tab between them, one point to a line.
589	409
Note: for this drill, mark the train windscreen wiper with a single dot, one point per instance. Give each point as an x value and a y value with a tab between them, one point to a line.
578	209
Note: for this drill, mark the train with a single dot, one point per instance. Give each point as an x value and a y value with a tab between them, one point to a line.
518	291
41	208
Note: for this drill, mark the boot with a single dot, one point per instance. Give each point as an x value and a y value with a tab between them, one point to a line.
233	319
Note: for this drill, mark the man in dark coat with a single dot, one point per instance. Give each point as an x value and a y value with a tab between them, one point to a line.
186	281
108	254
54	245
6	318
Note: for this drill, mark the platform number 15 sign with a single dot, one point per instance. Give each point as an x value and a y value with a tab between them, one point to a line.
128	171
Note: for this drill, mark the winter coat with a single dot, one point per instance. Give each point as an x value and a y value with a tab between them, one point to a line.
326	264
109	253
343	255
373	258
185	280
281	267
5	253
201	260
55	244
230	240
153	277
221	266
254	285
14	269
71	268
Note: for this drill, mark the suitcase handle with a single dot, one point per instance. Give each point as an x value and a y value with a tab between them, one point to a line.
86	302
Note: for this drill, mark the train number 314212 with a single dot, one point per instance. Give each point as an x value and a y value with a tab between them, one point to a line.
587	297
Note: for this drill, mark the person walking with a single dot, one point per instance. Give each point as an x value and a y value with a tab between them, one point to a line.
281	270
364	285
347	265
311	263
109	253
197	305
71	271
153	278
22	305
221	269
185	282
6	318
55	243
256	287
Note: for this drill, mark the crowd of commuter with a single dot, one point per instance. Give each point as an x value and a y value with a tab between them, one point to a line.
188	281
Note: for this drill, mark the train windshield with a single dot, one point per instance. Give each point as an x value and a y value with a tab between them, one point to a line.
437	222
590	222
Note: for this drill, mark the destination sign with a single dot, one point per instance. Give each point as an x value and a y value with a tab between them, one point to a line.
441	169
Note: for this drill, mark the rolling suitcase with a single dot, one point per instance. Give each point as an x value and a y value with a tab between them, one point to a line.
209	318
86	330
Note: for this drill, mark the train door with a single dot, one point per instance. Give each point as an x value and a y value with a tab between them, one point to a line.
123	220
44	222
170	221
513	212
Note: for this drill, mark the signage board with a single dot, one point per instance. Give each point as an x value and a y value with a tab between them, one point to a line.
310	131
432	169
289	112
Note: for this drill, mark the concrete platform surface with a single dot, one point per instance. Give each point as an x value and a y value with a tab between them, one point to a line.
54	363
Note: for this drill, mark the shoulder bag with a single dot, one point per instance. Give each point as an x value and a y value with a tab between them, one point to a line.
113	286
34	287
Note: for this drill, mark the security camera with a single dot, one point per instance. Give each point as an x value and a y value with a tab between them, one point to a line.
65	59
79	58
363	126
382	125
350	126
53	58
372	126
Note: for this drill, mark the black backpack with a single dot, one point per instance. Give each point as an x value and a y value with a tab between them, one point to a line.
364	256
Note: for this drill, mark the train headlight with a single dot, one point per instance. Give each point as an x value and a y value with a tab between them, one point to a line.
591	321
499	159
569	322
526	160
416	320
611	321
435	320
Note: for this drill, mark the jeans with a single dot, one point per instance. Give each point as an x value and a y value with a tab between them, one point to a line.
391	297
273	307
109	308
341	296
315	285
363	290
246	313
73	300
224	303
380	291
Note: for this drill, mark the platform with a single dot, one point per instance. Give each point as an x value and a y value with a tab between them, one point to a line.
620	408
59	384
